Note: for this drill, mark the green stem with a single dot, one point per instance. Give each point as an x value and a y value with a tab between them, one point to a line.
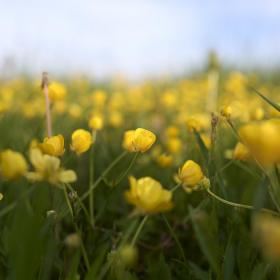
175	238
136	235
91	178
123	175
107	170
176	187
238	205
84	253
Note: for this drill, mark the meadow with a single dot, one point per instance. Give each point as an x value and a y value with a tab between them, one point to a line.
170	178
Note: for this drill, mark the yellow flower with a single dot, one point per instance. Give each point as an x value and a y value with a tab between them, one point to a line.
96	123
148	195
1	196
115	119
164	160
266	231
47	168
12	164
139	140
262	140
241	152
57	91
174	145
190	175
81	141
53	146
226	111
128	255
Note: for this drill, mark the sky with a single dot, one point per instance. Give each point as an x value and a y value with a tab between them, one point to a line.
136	38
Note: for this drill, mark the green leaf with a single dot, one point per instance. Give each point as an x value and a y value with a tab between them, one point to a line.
207	241
269	101
198	272
229	258
203	148
159	269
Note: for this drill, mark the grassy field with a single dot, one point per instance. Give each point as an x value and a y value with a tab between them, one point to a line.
164	179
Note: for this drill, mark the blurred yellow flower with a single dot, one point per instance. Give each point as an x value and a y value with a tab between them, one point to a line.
57	91
1	196
226	111
81	141
262	139
53	146
139	140
174	145
190	175
115	119
148	195
128	255
96	122
241	152
266	232
47	168
164	160
12	164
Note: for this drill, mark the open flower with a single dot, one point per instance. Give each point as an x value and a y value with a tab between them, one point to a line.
53	146
81	141
47	168
57	91
190	175
241	152
139	140
12	164
148	195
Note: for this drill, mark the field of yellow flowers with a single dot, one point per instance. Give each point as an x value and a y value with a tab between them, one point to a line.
163	179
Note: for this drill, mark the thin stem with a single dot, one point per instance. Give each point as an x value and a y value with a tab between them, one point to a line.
84	253
107	170
238	205
123	175
136	235
176	187
47	101
91	179
175	238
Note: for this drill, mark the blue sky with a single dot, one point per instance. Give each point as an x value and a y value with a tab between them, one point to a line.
137	37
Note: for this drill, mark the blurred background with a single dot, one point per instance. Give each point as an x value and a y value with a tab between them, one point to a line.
136	38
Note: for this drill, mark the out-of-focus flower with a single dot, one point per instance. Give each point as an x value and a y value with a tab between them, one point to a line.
75	110
53	146
1	196
128	255
262	140
57	91
115	119
172	131
266	232
47	168
98	98
12	164
139	140
174	145
190	175
73	240
164	160
148	195
226	111
257	114
206	140
81	141
241	152
96	122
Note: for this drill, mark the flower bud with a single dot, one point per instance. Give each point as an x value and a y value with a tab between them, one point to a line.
81	141
190	175
53	146
128	255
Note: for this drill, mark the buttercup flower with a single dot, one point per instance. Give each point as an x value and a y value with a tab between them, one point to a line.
81	141
47	168
226	111
53	146
139	140
148	195
262	140
164	160
241	152
266	231
96	123
190	175
57	91
12	164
